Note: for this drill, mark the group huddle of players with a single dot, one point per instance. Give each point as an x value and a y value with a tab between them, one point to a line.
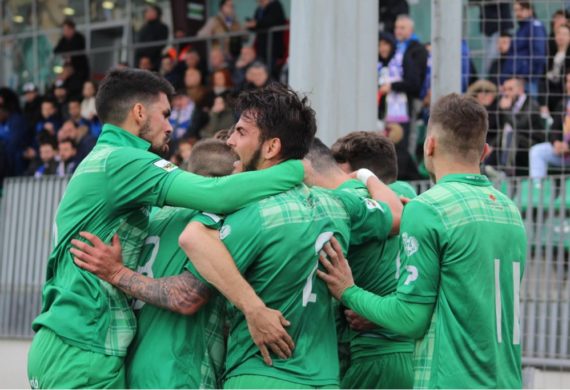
186	294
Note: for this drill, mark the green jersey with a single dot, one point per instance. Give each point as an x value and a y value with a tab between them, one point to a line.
376	267
171	350
464	248
111	192
275	244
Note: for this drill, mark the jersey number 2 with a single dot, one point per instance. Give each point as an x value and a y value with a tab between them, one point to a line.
308	295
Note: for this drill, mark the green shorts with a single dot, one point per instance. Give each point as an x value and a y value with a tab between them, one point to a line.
265	382
390	371
52	363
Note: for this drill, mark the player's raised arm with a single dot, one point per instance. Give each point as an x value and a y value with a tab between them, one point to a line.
183	293
213	261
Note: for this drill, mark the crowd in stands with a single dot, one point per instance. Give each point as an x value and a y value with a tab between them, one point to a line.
524	85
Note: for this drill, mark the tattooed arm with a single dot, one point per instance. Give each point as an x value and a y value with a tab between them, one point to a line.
183	293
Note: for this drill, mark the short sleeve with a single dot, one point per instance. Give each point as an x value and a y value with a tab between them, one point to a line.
421	234
241	234
138	177
369	219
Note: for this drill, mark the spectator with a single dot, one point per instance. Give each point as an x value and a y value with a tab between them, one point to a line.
13	133
194	88
257	76
486	93
67	152
555	153
223	23
51	118
221	117
145	63
268	14
552	87
71	81
84	141
411	60
48	158
217	60
152	30
468	70
520	128
183	152
495	20
221	82
393	106
529	47
502	67
559	18
246	58
60	96
74	110
389	10
72	41
192	60
88	110
32	110
168	72
187	117
407	167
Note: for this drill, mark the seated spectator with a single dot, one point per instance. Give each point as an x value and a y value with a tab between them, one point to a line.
145	63
83	140
61	98
486	93
182	154
217	60
520	127
88	110
257	76
74	113
221	82
197	92
559	18
246	58
223	23
502	67
186	118
552	87
48	161
555	153
51	118
72	41
67	153
221	117
32	110
191	60
167	71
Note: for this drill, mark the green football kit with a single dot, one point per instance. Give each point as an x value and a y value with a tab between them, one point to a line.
378	358
275	244
111	192
171	350
463	258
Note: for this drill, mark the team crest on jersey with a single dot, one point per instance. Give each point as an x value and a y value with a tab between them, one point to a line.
225	231
166	165
410	243
371	204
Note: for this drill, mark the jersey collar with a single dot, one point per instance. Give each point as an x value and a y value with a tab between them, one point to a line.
476	180
351	184
114	135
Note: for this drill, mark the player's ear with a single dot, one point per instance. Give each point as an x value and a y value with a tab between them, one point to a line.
272	148
429	145
486	152
139	113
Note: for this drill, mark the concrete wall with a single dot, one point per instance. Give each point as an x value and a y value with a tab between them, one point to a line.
13	364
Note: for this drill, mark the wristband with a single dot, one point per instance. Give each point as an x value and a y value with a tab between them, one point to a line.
364	174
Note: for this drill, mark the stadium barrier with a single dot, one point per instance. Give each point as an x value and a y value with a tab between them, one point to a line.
28	207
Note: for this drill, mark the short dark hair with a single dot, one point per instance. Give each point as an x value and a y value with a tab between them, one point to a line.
69	23
212	157
50	99
45	138
524	4
280	112
71	141
368	149
74	99
122	88
222	3
461	124
321	157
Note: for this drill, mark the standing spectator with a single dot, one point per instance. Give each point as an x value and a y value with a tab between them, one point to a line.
520	127
529	47
246	58
555	153
152	30
389	10
495	19
269	14
72	41
552	87
485	92
13	134
411	58
559	18
502	67
67	152
221	117
222	23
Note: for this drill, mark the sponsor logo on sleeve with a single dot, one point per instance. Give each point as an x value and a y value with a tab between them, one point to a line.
166	165
410	243
371	204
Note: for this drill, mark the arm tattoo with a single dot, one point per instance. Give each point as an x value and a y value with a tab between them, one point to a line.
182	293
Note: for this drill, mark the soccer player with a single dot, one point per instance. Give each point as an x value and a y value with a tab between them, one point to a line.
86	324
275	244
379	359
182	346
463	260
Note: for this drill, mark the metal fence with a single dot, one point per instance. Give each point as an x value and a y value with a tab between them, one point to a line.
28	207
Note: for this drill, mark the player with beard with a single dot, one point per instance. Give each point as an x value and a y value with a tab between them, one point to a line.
86	324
